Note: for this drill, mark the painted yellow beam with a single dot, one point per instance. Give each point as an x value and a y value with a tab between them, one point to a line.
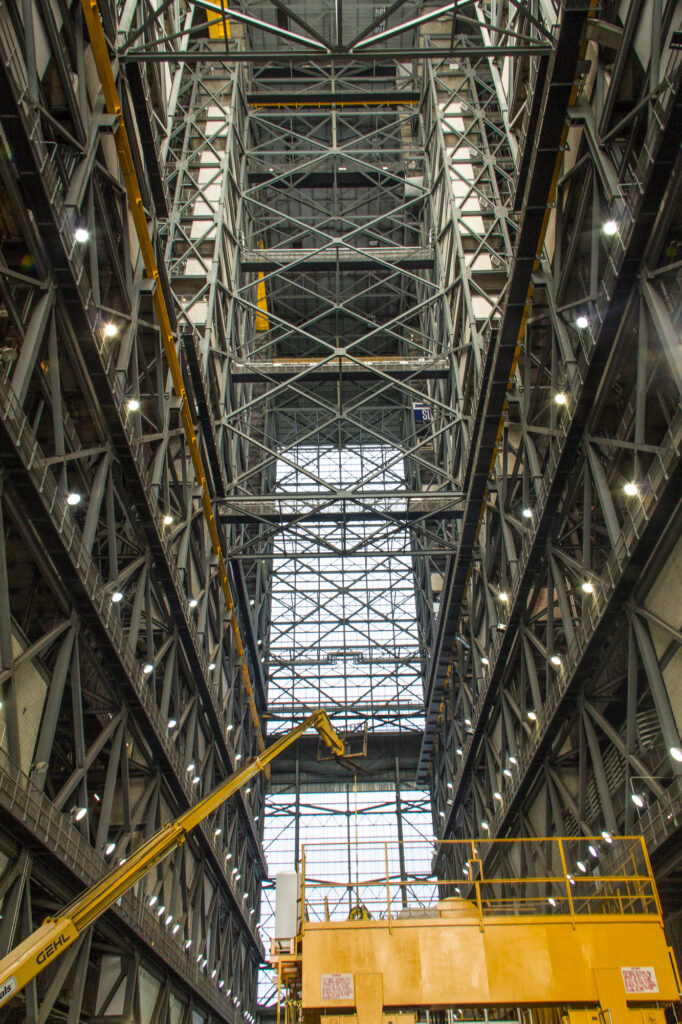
56	934
113	104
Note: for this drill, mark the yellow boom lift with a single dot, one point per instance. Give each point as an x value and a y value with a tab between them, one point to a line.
57	933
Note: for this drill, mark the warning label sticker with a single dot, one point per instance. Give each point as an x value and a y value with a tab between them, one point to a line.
639	979
336	986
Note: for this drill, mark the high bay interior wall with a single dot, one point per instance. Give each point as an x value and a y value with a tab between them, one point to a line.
396	244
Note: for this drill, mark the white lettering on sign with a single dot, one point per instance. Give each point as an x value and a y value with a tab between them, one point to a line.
336	986
639	979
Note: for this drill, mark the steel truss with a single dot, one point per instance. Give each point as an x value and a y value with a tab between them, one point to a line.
123	699
550	700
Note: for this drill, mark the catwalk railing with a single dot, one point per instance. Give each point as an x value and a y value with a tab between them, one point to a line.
481	878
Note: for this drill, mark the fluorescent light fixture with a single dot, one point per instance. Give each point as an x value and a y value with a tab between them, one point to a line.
176	928
606	836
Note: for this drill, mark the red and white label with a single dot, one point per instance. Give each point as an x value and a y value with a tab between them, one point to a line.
336	986
639	979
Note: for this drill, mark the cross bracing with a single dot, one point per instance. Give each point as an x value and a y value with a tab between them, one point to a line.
380	235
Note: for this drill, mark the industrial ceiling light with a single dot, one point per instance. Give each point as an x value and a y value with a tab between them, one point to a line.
188	944
561	398
503	596
442	814
450	785
512	759
147	668
110	330
73	498
582	322
507	772
582	866
606	836
467	721
676	753
172	722
230	727
218	832
168	920
193	602
501	626
237	757
247	790
152	901
81	235
527	513
211	666
190	767
168	519
484	661
593	851
587	587
196	780
638	799
116	597
555	659
176	928
610	227
485	825
133	404
631	488
110	849
79	813
161	911
497	796
551	901
235	870
459	751
532	715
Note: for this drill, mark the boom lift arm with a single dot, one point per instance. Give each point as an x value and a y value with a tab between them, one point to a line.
57	933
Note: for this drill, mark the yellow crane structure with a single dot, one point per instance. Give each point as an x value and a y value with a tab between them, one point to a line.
578	939
56	934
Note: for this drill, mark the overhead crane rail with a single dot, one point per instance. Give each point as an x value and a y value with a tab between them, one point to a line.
56	934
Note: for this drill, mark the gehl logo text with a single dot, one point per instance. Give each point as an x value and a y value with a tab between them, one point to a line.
52	948
7	989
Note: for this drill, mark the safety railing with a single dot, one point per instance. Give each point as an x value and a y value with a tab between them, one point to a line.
480	880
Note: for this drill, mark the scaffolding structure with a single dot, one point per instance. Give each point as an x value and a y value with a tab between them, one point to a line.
422	267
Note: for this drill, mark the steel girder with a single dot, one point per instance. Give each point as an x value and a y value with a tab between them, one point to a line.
115	637
558	702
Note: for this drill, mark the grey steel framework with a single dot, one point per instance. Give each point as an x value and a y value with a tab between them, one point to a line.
417	363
